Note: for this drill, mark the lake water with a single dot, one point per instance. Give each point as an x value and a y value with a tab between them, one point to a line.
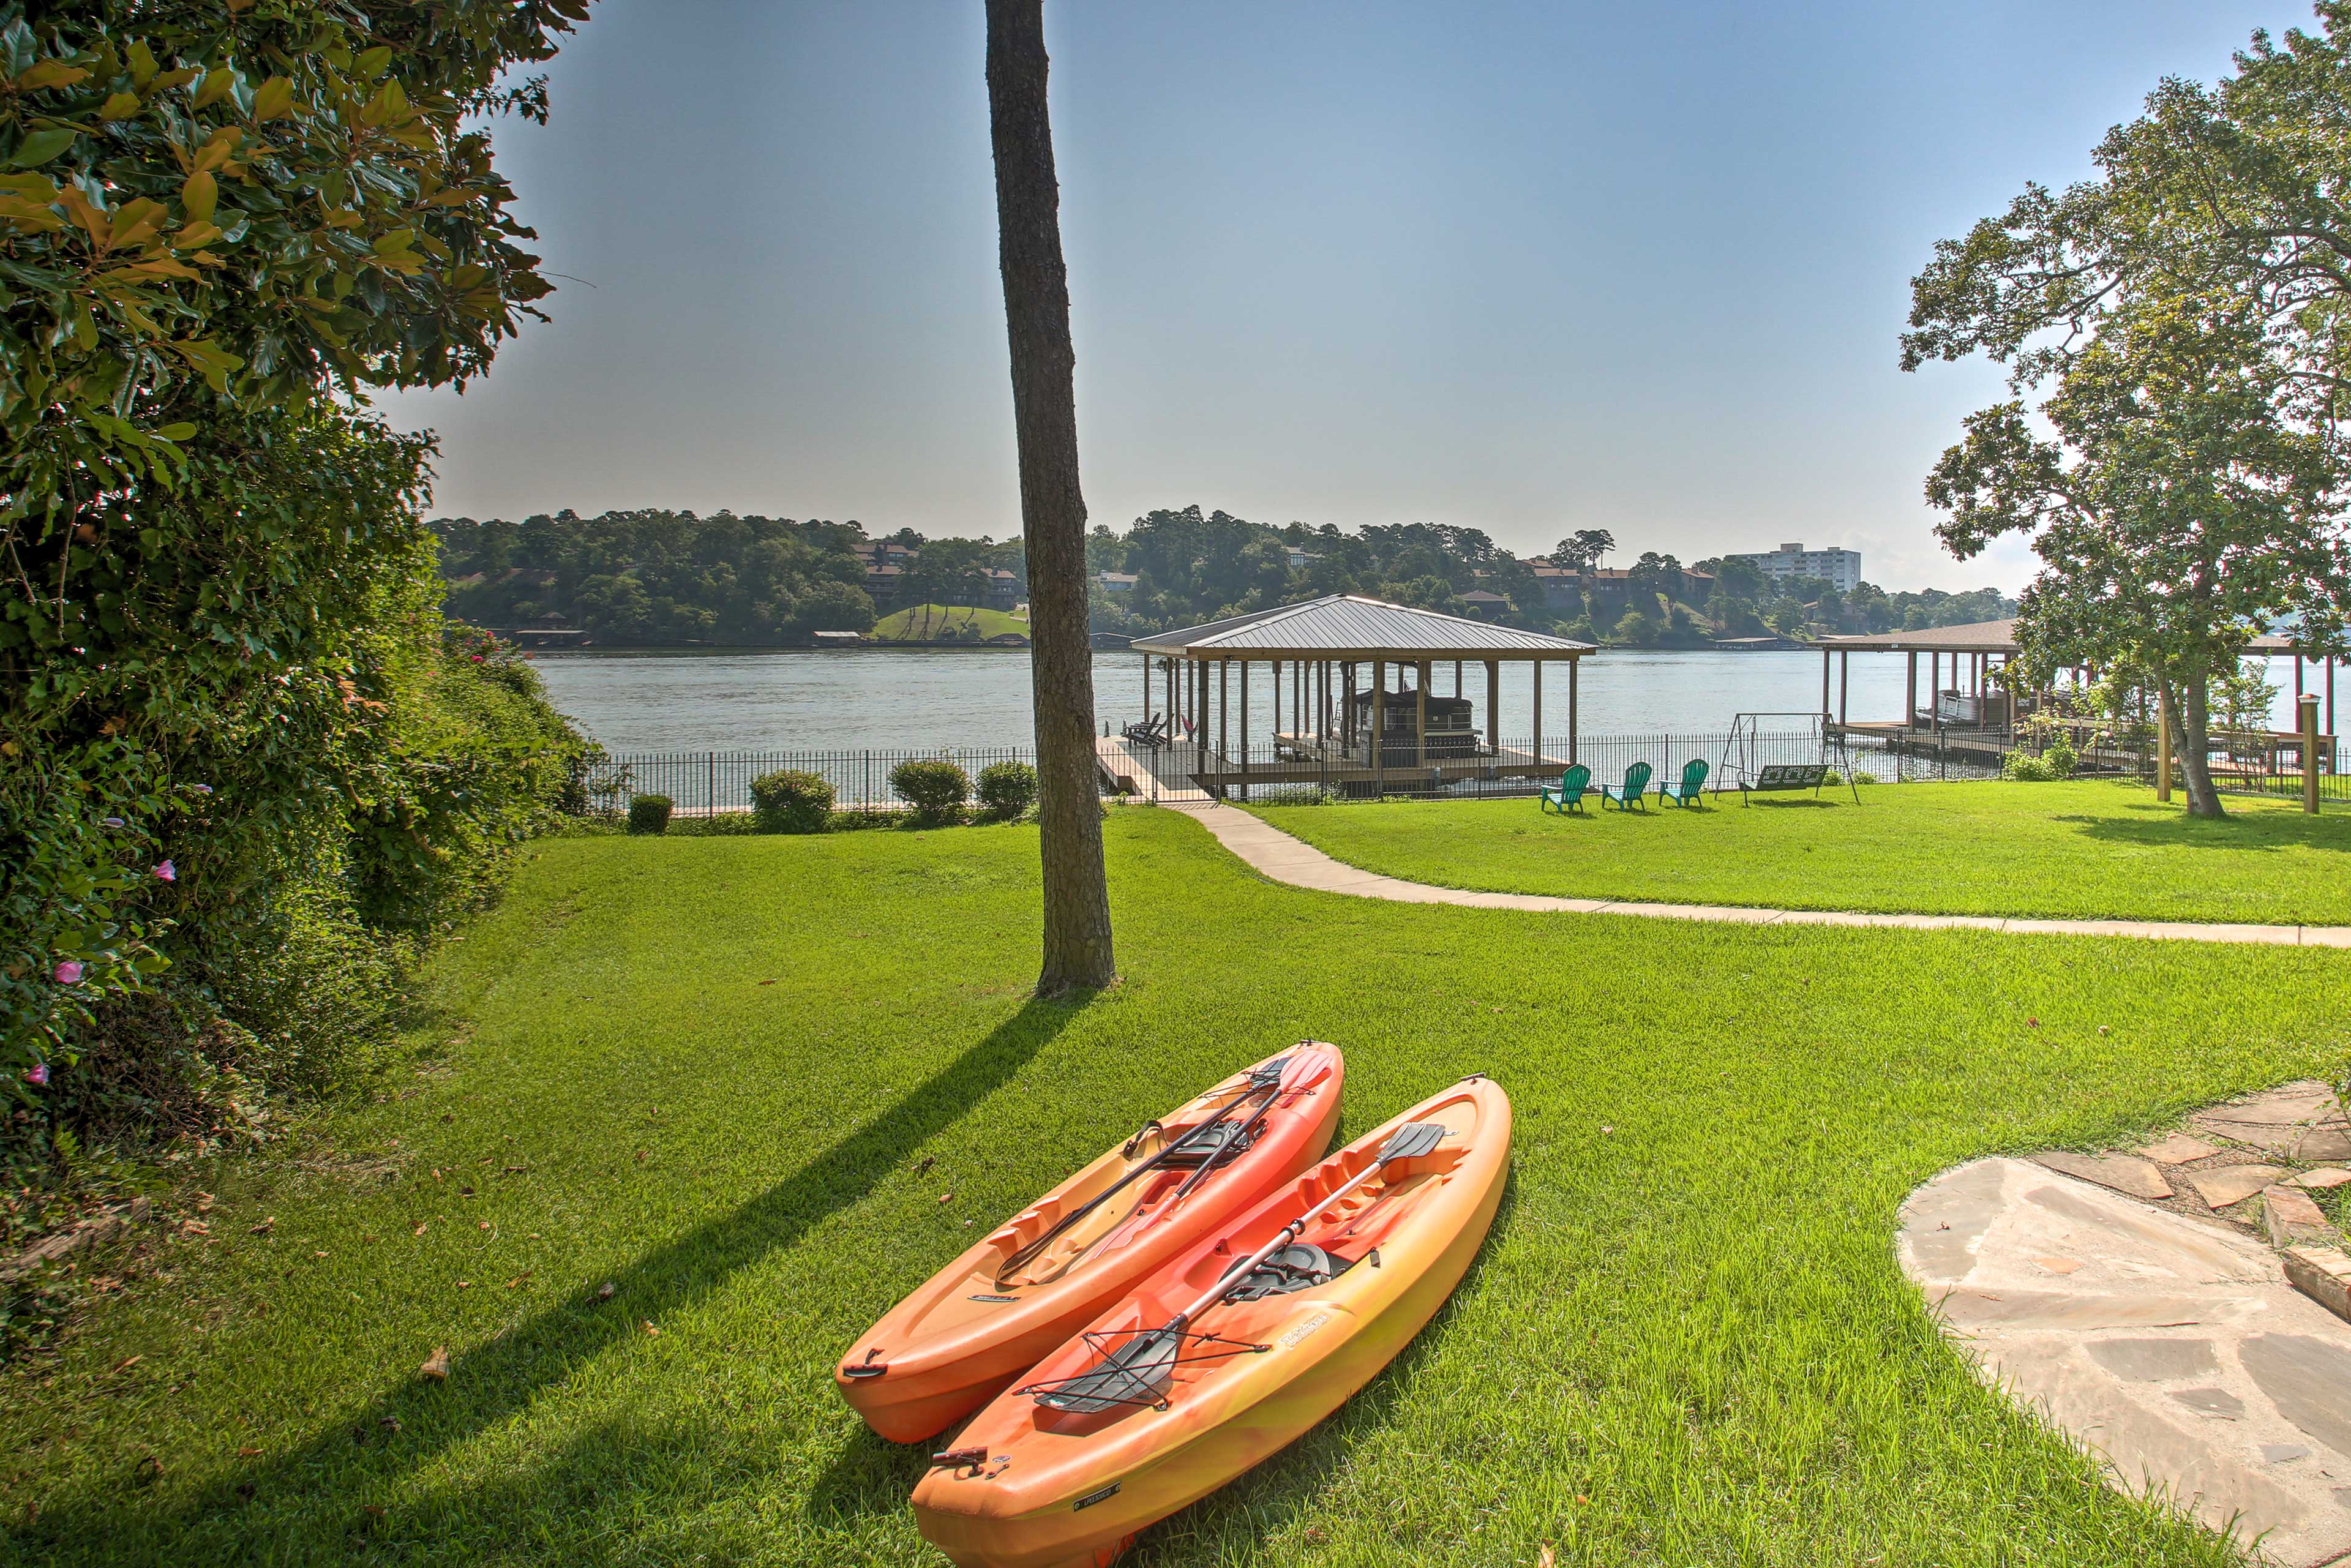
926	698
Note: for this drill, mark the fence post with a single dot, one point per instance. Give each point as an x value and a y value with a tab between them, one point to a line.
710	787
2308	703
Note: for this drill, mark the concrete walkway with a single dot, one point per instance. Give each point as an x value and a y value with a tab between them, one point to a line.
1275	854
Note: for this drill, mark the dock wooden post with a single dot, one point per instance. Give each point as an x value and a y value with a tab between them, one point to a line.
1420	713
2307	710
1573	665
1825	680
1224	709
1277	709
1199	678
1379	725
1494	707
1537	740
1277	689
2162	748
1910	694
1844	682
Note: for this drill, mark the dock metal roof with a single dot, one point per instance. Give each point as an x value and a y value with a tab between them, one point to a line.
1349	626
1981	637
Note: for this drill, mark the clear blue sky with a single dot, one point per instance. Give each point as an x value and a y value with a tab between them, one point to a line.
1524	267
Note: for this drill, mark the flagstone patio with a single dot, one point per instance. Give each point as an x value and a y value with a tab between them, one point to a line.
2136	1302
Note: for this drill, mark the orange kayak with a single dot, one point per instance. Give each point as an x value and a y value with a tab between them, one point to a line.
994	1313
1231	1351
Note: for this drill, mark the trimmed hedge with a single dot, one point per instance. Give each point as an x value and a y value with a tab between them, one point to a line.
649	814
934	787
786	801
1006	789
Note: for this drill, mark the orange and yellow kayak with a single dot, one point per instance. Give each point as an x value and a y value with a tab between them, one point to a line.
1231	1351
990	1316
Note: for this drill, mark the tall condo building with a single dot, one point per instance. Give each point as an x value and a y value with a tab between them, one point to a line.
1840	569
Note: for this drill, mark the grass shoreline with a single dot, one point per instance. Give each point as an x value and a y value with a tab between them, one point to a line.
2084	849
734	1076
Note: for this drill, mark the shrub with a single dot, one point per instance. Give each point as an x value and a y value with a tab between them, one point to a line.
1007	788
2061	759
1292	795
2026	768
649	814
936	788
786	801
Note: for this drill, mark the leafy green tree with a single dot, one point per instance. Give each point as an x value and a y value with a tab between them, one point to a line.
1584	548
218	219
2177	512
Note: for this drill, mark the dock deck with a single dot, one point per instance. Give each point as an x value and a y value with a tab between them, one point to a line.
1187	773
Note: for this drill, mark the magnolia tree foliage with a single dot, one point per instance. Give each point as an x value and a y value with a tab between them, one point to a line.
2182	315
221	656
2176	509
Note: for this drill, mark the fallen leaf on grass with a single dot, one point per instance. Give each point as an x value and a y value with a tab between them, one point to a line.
465	1192
436	1175
317	1254
248	1453
641	1156
946	1197
516	1282
125	1364
928	1161
374	1509
604	1290
204	1203
148	1468
482	1225
390	1423
436	1365
1549	1557
105	1283
652	1331
265	1228
464	1285
767	982
419	1230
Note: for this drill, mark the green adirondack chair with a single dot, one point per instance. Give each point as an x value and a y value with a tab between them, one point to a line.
1573	785
1632	792
1693	784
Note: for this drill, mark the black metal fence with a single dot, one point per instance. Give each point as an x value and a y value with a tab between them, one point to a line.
705	782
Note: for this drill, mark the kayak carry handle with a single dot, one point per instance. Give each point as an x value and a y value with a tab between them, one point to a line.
960	1458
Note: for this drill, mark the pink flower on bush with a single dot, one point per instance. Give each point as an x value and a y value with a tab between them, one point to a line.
201	788
38	1074
477	658
69	972
165	872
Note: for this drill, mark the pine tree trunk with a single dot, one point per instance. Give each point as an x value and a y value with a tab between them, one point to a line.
2191	725
1052	508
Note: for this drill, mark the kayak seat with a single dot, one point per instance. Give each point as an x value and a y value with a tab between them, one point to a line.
1219	1142
1297	1267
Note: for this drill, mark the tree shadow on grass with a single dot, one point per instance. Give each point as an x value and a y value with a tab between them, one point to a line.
2170	829
407	1428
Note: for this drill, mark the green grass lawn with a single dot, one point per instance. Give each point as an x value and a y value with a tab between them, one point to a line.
712	1071
932	622
2076	849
